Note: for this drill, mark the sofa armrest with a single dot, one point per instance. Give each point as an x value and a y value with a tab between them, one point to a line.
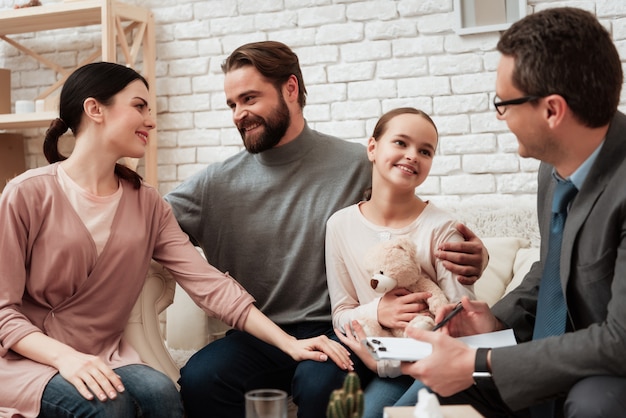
186	323
499	272
524	260
143	328
188	327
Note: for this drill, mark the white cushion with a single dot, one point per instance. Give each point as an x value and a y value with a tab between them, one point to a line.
524	260
499	272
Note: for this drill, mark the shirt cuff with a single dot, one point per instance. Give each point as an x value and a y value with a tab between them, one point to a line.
388	368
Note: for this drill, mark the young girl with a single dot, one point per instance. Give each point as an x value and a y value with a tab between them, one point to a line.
401	150
77	240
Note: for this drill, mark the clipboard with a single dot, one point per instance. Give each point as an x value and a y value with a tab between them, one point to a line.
409	349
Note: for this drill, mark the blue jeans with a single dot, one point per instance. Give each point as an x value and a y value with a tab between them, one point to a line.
215	379
382	392
409	398
148	394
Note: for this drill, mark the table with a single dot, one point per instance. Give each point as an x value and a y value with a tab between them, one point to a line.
449	411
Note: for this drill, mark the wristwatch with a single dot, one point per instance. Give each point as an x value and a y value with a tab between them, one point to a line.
482	374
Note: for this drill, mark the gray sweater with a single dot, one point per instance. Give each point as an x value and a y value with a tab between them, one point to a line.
262	218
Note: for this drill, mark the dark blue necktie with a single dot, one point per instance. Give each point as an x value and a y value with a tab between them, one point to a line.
551	308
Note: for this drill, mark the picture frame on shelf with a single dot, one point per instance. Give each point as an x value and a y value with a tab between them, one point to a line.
481	16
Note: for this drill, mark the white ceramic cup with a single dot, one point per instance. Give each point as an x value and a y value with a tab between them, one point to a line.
266	403
24	106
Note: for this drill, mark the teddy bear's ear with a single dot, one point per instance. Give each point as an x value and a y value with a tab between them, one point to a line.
407	245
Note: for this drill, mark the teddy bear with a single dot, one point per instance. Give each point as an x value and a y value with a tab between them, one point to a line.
393	264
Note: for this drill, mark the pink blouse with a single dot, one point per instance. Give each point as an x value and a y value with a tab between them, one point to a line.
53	281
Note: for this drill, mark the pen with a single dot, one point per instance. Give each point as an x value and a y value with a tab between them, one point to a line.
448	317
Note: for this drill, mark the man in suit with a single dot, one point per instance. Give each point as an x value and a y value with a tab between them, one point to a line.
558	87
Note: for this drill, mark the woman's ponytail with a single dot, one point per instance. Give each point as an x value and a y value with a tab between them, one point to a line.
51	141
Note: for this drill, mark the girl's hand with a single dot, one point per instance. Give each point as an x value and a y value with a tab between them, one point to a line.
320	348
399	306
90	376
352	339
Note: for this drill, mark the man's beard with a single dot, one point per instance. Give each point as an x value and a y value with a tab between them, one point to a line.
273	129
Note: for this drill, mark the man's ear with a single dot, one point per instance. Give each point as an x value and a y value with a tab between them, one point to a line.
291	89
92	109
556	107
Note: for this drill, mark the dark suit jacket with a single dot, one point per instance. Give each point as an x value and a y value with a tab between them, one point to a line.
593	275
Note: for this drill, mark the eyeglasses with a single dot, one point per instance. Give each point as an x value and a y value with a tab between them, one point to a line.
501	105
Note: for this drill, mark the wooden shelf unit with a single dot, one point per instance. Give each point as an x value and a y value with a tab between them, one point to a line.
129	27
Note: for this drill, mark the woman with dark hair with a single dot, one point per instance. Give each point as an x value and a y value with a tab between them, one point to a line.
78	237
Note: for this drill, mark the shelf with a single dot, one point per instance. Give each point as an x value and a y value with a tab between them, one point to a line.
131	28
62	16
27	120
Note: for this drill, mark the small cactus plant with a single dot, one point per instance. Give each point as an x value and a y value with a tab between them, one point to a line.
346	402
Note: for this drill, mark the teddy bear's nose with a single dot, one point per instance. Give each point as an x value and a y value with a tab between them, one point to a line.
374	283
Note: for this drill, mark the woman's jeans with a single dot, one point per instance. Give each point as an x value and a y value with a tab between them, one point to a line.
148	394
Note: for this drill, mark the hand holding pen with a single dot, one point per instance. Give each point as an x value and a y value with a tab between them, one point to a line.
456	310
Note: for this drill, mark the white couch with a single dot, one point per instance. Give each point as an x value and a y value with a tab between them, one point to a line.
508	229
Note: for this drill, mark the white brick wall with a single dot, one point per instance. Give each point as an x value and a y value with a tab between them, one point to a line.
359	58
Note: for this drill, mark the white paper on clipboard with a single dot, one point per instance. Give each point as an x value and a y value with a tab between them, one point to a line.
409	349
